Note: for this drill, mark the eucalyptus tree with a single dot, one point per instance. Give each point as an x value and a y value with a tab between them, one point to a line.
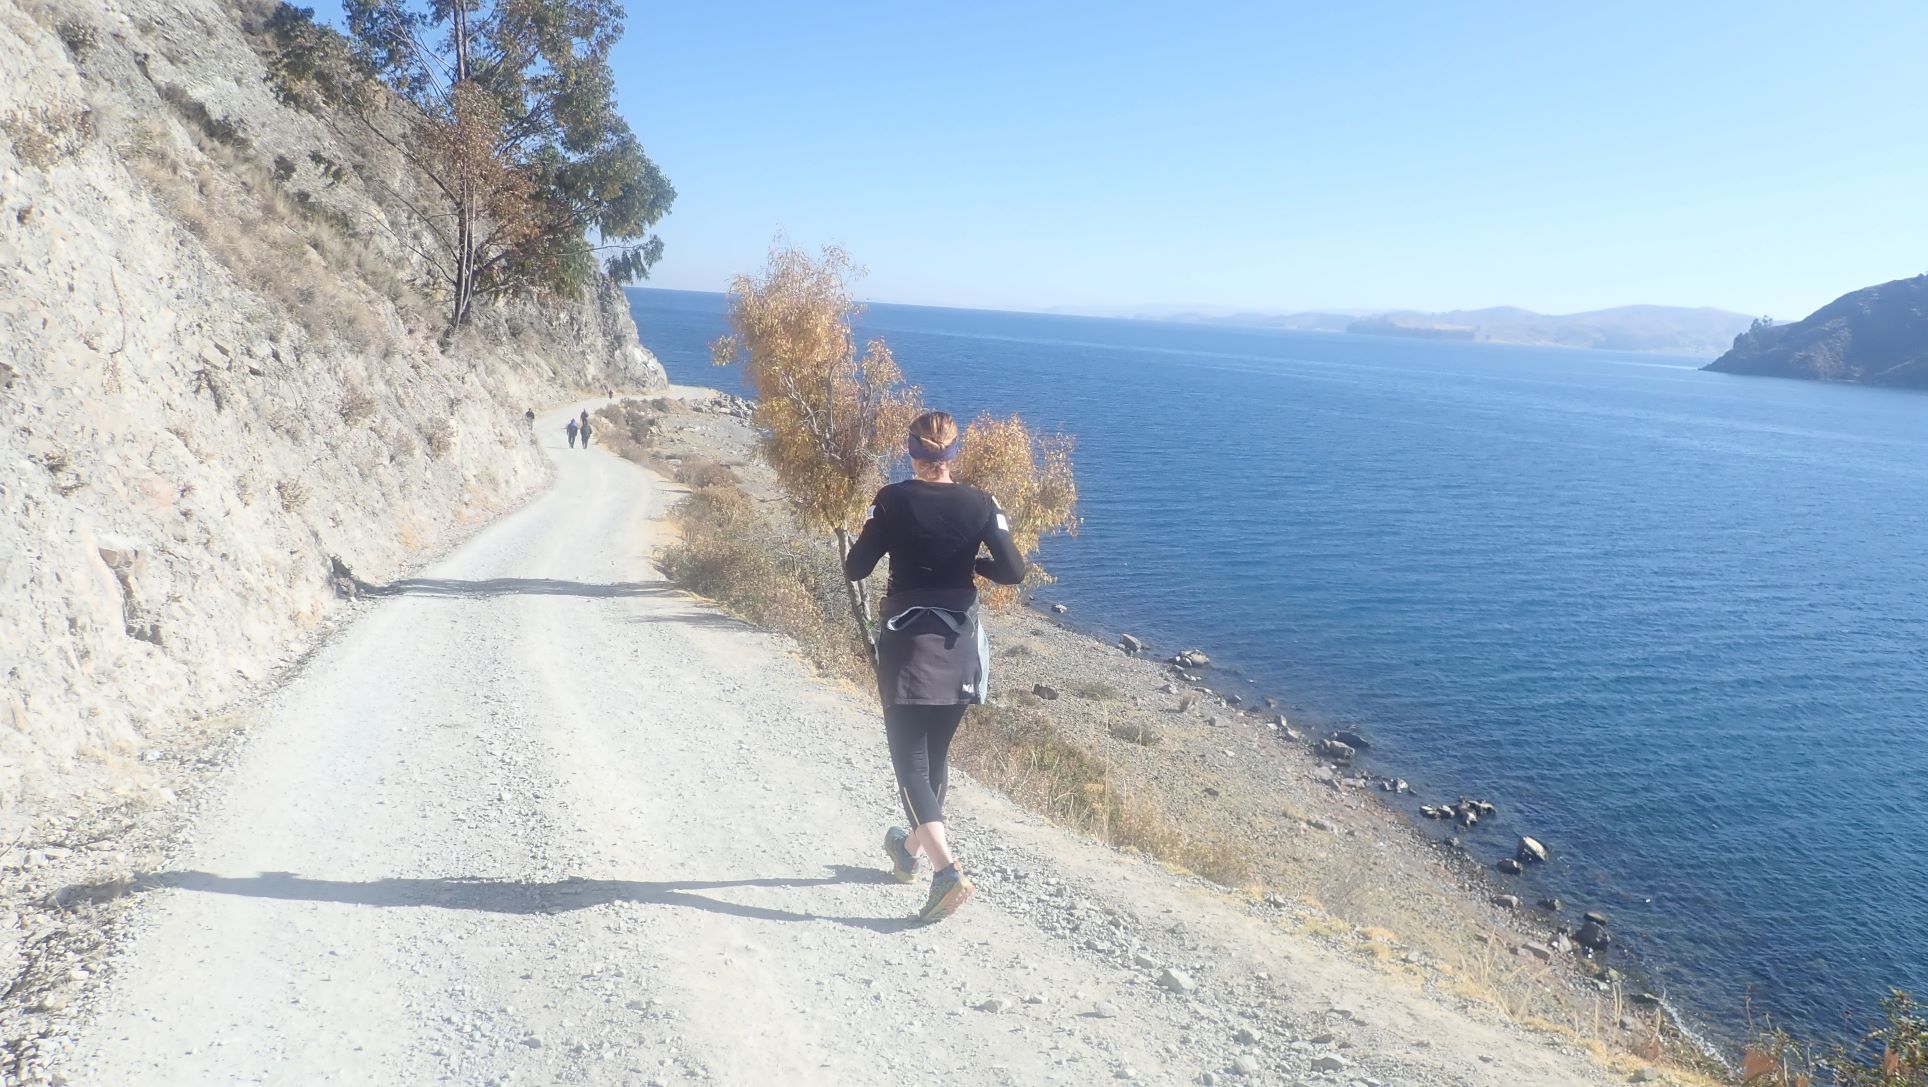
508	109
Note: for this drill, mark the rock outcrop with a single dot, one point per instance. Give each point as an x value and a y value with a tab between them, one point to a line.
1874	336
219	367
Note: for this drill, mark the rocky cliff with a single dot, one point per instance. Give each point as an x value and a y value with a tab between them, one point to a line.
219	368
1874	336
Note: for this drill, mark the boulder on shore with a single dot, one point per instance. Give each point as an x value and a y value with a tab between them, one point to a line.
1192	658
1336	751
1130	644
1351	739
1531	850
1510	866
1593	936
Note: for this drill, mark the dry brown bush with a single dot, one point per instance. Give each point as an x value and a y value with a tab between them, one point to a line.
833	420
80	38
42	136
1031	477
730	552
439	436
629	431
702	472
356	404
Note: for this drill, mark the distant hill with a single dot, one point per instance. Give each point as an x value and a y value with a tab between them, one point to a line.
1874	336
1672	330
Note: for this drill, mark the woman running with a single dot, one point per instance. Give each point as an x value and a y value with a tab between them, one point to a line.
932	657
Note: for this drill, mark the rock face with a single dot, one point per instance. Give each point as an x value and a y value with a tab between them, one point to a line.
218	369
1874	336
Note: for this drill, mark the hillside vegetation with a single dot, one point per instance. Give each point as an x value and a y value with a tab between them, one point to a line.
224	367
1874	336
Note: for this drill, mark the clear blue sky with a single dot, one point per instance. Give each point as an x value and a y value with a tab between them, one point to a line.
1758	156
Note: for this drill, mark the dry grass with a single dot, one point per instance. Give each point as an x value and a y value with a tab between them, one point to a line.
356	404
1135	732
699	472
301	256
629	430
730	551
439	437
42	136
1020	752
293	493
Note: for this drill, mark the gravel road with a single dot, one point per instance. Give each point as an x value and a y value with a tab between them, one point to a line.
535	818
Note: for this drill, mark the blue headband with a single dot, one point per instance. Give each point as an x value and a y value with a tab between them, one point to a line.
918	451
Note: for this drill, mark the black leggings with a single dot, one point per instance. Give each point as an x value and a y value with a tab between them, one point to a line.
920	747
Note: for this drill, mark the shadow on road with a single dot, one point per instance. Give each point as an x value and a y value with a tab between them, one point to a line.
696	618
507	896
516	586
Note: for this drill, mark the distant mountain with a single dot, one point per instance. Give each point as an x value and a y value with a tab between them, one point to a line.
1672	330
1874	336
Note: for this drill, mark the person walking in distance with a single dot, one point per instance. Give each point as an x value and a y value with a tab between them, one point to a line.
933	659
585	430
571	431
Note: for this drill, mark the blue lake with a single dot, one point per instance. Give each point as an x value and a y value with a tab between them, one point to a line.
1674	623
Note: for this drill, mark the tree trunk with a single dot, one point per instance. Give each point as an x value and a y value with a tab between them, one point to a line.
859	598
465	184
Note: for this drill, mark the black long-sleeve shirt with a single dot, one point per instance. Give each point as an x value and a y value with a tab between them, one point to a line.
931	531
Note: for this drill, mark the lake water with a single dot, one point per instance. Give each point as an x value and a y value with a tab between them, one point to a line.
1674	623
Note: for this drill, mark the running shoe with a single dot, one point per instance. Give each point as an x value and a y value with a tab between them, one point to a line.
903	863
948	892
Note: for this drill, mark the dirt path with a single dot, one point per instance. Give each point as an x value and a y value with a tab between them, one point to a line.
537	819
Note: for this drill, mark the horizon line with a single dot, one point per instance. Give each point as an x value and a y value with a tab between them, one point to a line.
1202	309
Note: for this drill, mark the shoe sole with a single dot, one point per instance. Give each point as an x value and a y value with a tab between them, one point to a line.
949	903
896	873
